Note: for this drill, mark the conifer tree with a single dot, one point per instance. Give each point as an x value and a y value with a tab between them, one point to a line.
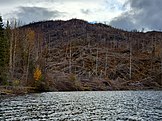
3	53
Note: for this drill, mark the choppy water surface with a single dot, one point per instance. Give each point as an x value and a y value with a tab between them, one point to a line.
80	106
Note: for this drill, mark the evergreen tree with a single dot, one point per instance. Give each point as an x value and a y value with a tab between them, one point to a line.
4	42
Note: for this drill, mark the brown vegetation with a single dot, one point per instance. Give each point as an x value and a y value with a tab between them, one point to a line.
76	55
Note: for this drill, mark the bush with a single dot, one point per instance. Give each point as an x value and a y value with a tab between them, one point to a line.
16	83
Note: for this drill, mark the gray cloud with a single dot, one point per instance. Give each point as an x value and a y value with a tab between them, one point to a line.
85	11
30	14
6	2
143	14
10	2
124	21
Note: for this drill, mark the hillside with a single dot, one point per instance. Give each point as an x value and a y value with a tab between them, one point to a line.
77	55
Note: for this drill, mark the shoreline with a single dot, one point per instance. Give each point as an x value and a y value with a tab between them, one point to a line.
7	93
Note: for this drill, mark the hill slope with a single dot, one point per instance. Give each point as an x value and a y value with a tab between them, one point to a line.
77	55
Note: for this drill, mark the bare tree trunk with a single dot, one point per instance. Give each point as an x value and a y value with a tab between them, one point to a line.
106	62
97	62
161	68
14	54
130	58
152	49
161	59
114	42
27	68
11	56
70	60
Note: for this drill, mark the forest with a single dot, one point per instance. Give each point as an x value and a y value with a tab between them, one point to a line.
16	64
76	55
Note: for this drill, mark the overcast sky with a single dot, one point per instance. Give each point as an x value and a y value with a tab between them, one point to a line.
125	14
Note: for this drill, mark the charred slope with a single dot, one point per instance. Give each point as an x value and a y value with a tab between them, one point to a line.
78	55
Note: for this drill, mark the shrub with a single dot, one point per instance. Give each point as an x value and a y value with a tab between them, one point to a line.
16	83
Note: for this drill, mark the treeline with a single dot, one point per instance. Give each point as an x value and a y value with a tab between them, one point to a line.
20	62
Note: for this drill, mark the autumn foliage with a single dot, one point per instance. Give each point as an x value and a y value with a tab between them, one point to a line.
37	74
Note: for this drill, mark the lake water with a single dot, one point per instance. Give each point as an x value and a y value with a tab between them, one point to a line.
84	106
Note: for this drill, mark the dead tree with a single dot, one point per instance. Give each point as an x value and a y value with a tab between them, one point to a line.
161	58
96	61
70	59
130	56
106	61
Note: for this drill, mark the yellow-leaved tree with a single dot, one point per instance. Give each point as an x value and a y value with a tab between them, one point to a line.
37	74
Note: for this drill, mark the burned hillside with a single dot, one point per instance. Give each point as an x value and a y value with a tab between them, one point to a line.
77	55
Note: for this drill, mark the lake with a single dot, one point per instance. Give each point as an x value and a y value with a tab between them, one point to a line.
83	106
